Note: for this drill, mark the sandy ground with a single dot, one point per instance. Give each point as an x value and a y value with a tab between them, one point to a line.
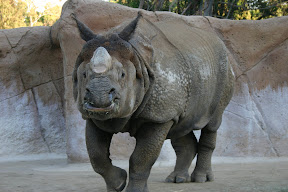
235	175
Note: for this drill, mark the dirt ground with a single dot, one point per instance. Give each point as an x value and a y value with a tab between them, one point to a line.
235	175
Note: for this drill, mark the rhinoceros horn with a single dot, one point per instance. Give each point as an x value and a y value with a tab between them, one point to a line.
101	60
129	29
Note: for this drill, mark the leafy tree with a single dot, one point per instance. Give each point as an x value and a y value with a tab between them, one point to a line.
46	17
229	9
12	14
50	14
22	13
32	15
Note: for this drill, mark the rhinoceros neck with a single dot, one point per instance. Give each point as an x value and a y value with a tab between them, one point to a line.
112	125
147	82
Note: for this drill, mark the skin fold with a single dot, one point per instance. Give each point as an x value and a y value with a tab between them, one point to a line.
157	83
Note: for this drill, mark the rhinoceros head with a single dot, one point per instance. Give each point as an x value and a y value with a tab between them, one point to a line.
110	79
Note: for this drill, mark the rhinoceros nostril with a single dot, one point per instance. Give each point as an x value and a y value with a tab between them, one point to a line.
112	91
112	94
85	99
87	96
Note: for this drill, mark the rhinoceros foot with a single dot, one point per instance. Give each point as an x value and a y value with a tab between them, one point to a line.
202	176
178	177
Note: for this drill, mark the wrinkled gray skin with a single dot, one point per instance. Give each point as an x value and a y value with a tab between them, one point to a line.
156	84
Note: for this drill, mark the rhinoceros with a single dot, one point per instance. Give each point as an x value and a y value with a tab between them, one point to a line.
156	81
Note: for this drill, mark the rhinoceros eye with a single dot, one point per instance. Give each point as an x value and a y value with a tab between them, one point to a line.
123	74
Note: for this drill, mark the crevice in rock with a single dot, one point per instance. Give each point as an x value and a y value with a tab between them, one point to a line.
189	24
238	104
263	58
13	96
9	42
238	115
48	82
61	97
23	36
57	91
17	64
52	44
262	124
260	120
218	32
40	125
21	77
156	16
33	87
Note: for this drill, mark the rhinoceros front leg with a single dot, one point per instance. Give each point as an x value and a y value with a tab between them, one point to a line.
203	171
185	148
98	144
149	141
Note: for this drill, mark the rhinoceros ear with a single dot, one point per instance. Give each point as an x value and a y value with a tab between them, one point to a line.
127	32
85	32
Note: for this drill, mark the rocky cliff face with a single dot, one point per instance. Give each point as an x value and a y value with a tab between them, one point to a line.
34	76
32	93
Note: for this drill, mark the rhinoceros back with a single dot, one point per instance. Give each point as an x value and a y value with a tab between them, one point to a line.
191	69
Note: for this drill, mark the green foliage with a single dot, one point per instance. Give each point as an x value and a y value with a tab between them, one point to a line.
50	15
54	15
12	14
130	3
263	9
23	13
228	9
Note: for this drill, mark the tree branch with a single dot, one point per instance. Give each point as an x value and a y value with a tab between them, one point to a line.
189	5
172	4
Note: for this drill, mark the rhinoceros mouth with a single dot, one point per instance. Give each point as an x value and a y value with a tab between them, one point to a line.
89	107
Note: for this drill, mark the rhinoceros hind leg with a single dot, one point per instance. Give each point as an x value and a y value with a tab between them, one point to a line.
203	171
185	148
207	142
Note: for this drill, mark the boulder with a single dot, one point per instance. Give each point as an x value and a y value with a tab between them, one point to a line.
32	93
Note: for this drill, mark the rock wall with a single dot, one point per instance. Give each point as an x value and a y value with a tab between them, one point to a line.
254	123
34	77
32	93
